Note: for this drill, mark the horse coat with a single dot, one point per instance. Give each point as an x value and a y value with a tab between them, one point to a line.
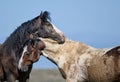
79	62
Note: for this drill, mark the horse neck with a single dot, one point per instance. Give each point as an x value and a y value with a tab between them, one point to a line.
52	51
22	33
60	53
16	39
15	42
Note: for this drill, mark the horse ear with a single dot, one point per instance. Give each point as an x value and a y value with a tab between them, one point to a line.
41	14
45	15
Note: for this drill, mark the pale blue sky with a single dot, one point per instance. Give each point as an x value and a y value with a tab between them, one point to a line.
93	22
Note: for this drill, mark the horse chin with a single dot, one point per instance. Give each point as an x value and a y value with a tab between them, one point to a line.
24	68
60	40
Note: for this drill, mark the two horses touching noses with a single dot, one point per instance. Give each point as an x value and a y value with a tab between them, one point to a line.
22	48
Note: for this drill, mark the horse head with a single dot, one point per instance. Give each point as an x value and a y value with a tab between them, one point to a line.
14	48
47	29
31	53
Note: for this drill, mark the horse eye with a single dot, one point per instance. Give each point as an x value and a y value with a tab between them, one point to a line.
27	53
48	24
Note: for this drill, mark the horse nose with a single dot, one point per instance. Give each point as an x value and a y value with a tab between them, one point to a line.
62	39
41	45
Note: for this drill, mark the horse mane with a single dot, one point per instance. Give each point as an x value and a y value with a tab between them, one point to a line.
17	39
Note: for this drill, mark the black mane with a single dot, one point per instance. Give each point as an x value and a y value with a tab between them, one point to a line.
17	39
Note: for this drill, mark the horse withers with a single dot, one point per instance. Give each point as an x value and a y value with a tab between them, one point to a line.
11	50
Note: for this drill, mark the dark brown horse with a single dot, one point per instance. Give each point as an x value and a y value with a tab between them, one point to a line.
11	50
31	54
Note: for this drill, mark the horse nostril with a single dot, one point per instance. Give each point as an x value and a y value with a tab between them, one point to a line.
62	39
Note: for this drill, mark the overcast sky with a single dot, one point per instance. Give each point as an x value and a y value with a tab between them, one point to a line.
93	22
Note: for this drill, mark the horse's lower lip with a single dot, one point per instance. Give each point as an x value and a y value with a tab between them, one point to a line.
61	42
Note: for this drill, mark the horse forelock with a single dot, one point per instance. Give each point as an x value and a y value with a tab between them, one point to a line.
45	16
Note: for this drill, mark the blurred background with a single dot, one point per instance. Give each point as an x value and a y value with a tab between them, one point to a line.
93	22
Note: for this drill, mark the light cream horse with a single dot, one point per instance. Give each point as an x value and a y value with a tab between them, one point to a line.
79	62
